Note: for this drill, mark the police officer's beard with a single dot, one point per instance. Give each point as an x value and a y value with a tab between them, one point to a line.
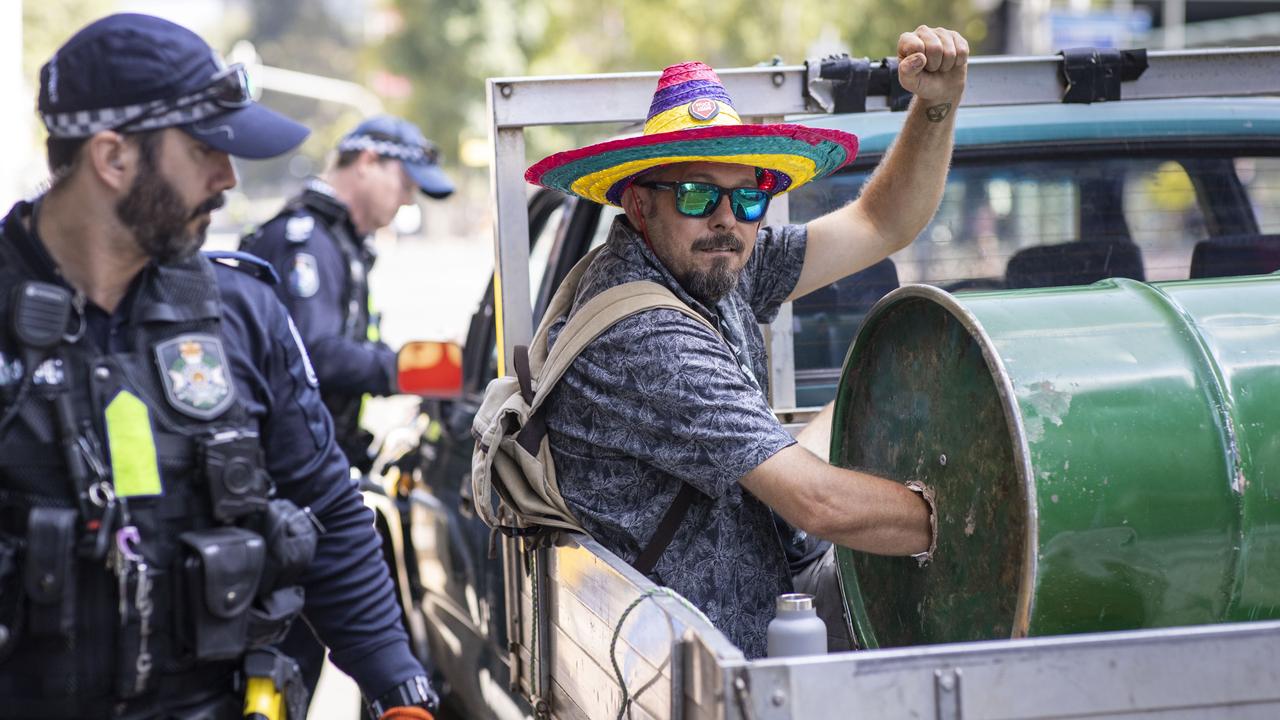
157	216
708	286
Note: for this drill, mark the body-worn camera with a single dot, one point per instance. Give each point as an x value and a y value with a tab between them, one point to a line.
233	468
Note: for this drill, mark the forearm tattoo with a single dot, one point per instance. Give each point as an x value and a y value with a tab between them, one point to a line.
938	113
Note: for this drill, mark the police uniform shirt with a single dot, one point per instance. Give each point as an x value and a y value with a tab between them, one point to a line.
315	286
349	596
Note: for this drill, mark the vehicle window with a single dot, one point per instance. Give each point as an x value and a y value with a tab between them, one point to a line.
540	251
1261	176
607	214
1038	222
1164	217
542	240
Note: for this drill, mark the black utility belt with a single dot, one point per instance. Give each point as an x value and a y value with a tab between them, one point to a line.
228	589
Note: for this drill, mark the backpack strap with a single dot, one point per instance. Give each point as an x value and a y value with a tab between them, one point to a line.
537	365
561	303
591	320
538	372
666	532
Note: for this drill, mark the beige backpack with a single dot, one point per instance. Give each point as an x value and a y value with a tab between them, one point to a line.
512	475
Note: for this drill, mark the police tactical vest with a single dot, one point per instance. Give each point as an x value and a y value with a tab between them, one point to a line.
355	296
134	511
357	320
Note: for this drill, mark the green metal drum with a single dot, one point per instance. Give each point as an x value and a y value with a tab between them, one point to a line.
1105	457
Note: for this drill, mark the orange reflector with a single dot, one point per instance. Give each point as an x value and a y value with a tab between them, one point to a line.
430	369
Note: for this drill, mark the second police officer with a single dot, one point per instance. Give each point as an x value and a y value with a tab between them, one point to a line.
321	246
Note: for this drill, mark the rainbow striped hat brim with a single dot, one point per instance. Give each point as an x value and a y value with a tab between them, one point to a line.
692	119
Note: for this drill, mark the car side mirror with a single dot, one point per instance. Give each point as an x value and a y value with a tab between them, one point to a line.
430	369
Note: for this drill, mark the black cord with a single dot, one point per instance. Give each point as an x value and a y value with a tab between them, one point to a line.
31	360
24	389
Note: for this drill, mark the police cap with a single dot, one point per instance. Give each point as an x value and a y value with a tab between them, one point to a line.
398	138
130	73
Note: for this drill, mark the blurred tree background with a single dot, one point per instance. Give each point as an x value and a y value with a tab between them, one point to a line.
428	59
447	48
46	25
305	36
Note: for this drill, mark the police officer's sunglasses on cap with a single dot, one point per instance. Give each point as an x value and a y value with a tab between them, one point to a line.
230	88
430	153
699	199
227	90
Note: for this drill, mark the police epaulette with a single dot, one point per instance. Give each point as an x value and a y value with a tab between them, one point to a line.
298	229
246	263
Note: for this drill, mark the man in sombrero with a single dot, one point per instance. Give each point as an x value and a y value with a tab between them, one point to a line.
660	418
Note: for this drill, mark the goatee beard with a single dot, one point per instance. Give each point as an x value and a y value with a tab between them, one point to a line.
711	285
158	218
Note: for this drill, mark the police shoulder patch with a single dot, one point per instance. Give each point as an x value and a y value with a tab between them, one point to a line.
195	374
304	276
298	229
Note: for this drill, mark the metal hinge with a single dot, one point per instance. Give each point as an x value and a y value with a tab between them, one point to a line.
946	685
742	696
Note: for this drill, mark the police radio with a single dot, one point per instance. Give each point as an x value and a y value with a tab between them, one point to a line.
41	312
38	314
40	317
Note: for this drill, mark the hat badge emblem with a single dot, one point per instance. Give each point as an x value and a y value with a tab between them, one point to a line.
703	109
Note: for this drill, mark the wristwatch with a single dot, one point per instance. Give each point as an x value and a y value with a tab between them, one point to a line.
414	692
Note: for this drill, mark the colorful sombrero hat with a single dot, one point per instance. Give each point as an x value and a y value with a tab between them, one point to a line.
693	119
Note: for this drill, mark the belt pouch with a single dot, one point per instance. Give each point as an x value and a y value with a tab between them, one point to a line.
221	568
271	617
50	573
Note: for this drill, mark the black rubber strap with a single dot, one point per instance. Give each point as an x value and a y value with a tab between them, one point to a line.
666	529
520	363
535	428
530	436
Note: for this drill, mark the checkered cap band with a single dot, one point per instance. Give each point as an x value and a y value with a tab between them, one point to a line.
386	148
143	116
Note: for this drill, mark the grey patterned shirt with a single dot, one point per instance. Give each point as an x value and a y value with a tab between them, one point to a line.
659	400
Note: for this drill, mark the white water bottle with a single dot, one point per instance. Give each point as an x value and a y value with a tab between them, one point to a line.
796	629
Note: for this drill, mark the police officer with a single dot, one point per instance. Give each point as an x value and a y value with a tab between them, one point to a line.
321	245
170	489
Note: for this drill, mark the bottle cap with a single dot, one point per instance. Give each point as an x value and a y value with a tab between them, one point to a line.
791	602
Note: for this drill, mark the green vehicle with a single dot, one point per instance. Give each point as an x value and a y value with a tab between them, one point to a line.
1179	179
1042	196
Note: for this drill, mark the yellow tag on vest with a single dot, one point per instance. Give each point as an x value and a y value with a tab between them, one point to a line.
134	468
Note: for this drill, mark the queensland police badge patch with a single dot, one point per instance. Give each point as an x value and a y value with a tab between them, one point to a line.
304	277
197	381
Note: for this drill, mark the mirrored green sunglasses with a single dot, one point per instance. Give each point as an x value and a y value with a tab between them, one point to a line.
698	199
